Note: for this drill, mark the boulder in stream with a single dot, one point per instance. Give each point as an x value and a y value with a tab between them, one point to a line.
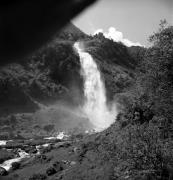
3	171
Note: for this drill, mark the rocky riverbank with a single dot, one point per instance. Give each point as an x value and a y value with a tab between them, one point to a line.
19	154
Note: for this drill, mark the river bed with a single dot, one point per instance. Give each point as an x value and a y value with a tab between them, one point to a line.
8	163
21	154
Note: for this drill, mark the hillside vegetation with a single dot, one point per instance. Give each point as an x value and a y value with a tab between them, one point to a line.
139	145
52	75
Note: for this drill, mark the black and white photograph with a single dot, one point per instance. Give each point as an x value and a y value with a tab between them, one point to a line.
86	90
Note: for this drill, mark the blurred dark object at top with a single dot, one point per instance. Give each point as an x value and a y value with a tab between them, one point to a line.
27	25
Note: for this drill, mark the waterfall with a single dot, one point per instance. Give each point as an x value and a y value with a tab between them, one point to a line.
95	105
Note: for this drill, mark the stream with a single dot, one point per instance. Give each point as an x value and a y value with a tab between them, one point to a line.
21	154
8	163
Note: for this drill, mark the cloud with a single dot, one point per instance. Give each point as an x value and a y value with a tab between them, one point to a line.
117	36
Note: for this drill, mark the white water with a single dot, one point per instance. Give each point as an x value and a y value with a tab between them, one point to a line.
4	142
95	106
60	135
8	164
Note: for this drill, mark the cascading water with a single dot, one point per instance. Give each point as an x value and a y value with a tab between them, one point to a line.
95	106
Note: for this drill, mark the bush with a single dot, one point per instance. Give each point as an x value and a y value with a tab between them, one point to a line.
58	166
15	165
50	171
38	177
140	148
49	127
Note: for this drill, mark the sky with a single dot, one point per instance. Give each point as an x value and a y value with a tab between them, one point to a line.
132	21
